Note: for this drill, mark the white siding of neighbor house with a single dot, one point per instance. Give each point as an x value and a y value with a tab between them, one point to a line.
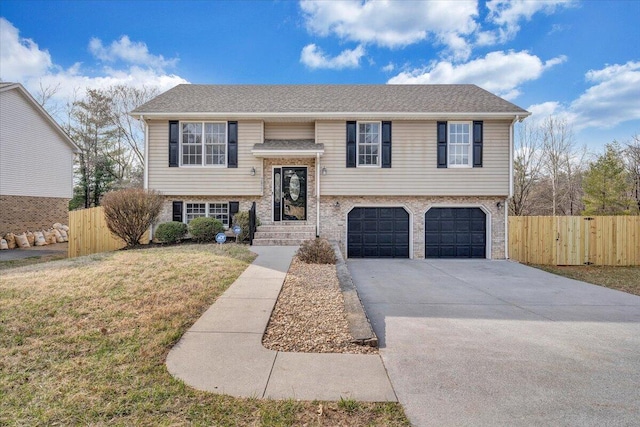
289	130
414	170
35	160
209	180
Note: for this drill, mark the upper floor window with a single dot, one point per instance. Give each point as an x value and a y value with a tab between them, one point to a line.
459	144
203	143
369	143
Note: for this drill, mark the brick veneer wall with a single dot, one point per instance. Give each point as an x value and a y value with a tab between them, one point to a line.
166	214
334	217
22	213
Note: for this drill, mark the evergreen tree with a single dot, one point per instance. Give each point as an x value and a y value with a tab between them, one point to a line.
605	184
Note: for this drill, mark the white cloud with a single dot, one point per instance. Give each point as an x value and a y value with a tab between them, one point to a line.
389	67
614	98
394	24
498	72
313	57
21	60
19	57
507	14
125	50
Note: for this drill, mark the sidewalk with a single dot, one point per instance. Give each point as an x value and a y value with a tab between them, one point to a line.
223	353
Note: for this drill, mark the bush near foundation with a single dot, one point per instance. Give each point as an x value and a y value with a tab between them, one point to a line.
242	219
205	229
171	232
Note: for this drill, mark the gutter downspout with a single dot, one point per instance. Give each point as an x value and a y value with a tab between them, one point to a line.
506	202
146	164
317	194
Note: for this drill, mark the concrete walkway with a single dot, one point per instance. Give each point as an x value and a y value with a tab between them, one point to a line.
223	353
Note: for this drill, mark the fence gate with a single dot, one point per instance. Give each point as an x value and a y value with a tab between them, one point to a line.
572	241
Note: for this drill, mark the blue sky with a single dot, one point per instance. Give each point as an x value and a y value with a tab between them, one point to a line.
579	60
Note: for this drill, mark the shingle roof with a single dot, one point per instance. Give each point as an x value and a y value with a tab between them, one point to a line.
289	144
459	98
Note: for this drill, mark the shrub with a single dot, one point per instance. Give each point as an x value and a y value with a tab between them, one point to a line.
242	219
129	213
316	251
171	232
205	229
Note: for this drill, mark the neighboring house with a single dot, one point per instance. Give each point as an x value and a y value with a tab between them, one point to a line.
385	170
36	164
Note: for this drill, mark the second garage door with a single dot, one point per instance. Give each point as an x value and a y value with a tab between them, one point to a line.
455	233
378	233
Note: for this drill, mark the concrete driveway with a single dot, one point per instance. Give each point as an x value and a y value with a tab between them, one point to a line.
498	343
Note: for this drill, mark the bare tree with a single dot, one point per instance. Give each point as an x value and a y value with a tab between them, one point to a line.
526	168
131	131
557	151
44	97
632	160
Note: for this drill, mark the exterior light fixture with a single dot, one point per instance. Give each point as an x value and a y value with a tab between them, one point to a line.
253	171
499	205
337	205
324	170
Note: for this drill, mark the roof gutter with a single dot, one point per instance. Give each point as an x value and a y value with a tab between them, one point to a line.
332	114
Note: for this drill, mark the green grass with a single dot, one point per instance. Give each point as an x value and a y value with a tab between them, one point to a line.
626	279
83	342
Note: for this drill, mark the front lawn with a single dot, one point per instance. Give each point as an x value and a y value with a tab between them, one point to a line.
626	279
84	341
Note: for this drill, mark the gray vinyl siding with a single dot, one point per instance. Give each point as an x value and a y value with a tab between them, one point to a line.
209	180
35	160
289	130
414	169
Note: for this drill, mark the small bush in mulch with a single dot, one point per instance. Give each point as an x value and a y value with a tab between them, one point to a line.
242	219
205	229
171	232
316	251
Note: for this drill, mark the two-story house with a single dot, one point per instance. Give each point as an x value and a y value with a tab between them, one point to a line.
409	171
36	164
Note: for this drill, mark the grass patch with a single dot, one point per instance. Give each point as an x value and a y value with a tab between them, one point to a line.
626	279
35	259
84	341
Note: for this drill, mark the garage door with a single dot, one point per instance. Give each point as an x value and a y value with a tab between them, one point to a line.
378	233
455	233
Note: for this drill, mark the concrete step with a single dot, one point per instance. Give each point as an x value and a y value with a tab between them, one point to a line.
277	242
299	235
278	227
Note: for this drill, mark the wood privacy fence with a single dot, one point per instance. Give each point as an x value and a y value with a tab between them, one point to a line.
575	240
89	234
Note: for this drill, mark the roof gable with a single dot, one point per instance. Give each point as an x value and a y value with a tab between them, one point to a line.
5	86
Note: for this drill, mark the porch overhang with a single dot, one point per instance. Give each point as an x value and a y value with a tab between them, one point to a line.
272	148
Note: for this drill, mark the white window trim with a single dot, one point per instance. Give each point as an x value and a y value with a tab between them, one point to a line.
379	161
206	210
470	164
203	145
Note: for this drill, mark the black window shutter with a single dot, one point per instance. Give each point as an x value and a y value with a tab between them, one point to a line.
442	144
234	208
351	144
477	144
232	160
174	144
177	211
386	144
